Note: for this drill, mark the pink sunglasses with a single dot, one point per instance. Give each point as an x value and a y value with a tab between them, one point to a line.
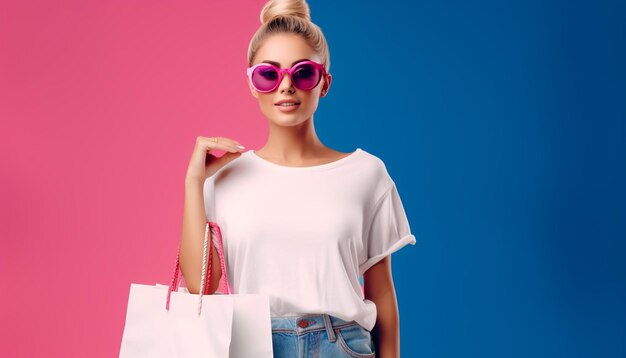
305	75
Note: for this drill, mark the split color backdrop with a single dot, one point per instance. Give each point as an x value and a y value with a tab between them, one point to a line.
503	124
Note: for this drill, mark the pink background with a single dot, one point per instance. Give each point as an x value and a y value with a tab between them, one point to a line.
100	106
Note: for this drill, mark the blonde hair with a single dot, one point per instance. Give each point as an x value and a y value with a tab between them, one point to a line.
289	16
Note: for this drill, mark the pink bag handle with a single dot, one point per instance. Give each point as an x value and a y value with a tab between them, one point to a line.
220	251
204	283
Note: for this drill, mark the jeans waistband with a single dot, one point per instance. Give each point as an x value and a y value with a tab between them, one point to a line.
309	322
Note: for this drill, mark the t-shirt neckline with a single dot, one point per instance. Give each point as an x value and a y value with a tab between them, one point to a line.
335	163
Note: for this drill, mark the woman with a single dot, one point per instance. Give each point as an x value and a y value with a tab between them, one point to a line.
300	222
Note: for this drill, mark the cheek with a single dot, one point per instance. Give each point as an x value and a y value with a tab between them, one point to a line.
310	103
268	108
266	102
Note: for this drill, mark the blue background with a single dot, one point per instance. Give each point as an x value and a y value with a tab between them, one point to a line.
503	125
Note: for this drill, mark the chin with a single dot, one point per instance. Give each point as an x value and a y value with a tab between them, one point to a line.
288	120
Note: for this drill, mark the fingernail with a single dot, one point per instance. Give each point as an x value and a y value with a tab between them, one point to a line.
241	146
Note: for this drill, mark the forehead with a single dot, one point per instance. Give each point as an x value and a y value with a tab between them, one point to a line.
285	49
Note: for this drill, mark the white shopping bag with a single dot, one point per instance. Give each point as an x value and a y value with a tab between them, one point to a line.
252	326
168	321
153	331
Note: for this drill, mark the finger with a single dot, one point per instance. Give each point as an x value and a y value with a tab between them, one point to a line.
230	140
224	140
222	143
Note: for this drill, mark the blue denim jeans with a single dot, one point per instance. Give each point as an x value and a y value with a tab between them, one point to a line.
320	335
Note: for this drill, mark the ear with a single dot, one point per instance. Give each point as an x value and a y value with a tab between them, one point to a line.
252	90
327	81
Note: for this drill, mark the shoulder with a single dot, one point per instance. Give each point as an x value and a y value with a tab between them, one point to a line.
214	164
225	166
374	170
376	166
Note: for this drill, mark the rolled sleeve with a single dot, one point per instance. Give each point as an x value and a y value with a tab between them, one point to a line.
389	230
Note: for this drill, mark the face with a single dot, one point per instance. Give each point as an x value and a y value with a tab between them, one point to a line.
284	50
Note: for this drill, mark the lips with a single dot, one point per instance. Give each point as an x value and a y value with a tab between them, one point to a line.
286	101
287	108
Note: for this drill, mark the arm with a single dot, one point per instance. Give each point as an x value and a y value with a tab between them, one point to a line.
194	226
379	288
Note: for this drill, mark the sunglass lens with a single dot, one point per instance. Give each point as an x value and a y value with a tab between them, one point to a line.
306	76
264	78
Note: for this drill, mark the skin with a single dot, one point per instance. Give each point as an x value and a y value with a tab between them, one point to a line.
379	288
292	141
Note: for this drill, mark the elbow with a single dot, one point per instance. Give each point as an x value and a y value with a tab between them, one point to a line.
193	283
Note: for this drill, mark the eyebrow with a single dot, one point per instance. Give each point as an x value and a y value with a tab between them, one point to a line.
278	64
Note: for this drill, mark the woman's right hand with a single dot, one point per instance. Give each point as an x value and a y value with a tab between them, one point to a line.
203	163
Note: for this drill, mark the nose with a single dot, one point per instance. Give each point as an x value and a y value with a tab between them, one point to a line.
285	83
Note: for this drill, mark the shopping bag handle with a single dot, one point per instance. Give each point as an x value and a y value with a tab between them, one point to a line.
217	232
206	278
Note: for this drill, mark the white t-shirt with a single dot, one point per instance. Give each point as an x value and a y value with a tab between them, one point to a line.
305	235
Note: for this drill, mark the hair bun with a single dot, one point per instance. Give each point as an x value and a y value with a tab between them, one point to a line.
277	8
